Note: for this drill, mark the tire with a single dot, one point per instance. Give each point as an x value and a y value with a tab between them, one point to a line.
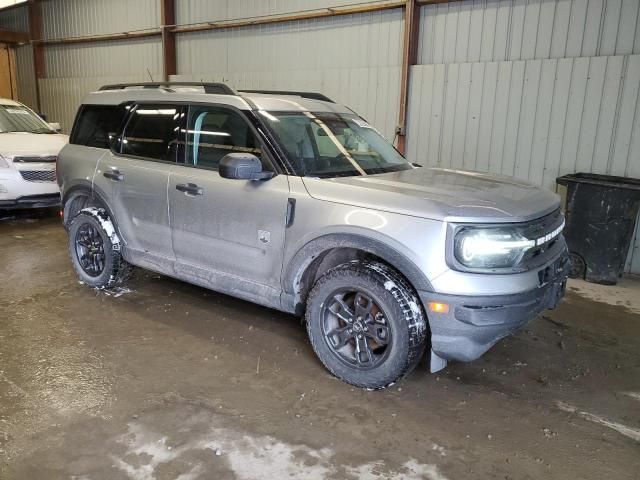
377	299
94	247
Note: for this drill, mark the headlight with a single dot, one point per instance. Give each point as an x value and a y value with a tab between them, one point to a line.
3	162
490	247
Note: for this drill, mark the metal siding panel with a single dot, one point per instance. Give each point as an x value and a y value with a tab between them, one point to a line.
577	22
487	119
530	30
591	28
439	32
448	114
609	29
627	27
436	119
475	32
591	113
513	115
72	18
500	115
560	32
474	112
627	117
459	131
526	122
26	76
609	106
546	96
575	107
15	19
450	33
502	31
544	35
462	31
557	122
489	31
517	28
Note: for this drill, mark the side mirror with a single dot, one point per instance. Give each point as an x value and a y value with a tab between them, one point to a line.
242	166
55	126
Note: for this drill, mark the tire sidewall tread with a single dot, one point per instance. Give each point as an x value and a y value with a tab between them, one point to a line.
409	326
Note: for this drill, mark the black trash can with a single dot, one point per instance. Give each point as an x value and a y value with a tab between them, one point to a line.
601	213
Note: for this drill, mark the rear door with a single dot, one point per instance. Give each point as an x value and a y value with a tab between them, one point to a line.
135	175
230	233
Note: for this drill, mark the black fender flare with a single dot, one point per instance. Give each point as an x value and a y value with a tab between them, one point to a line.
320	245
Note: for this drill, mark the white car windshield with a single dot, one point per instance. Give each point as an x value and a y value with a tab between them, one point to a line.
324	144
17	118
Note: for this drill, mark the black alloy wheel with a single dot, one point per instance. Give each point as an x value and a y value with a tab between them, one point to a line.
356	329
89	248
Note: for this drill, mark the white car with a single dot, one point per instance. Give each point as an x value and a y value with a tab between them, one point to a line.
29	149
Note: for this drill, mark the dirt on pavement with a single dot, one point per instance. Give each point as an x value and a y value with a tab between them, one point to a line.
165	380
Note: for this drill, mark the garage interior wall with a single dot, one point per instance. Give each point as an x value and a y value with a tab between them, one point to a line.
530	88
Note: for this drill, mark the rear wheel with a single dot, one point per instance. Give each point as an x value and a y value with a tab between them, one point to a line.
94	248
366	324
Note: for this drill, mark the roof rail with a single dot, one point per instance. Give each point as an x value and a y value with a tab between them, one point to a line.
218	88
310	95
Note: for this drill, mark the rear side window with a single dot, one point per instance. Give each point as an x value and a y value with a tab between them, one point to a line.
97	125
152	132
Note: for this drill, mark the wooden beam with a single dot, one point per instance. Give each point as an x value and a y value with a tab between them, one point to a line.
290	17
12	36
102	38
409	58
168	19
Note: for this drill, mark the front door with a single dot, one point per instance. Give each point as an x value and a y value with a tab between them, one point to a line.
227	234
135	178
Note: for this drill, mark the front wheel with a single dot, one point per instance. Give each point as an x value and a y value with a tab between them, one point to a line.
366	324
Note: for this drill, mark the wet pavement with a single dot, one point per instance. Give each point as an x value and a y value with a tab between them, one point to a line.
164	380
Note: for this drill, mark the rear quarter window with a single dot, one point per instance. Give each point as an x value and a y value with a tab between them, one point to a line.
96	125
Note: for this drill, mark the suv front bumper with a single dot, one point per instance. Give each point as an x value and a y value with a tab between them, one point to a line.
474	324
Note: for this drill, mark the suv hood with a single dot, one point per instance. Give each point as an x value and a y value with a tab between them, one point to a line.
440	194
24	143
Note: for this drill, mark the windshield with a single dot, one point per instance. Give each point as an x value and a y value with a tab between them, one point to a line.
333	145
17	118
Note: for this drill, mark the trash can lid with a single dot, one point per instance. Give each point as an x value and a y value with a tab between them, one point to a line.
608	181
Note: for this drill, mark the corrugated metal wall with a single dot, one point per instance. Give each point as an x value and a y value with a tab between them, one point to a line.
354	59
26	76
73	18
15	19
534	89
76	69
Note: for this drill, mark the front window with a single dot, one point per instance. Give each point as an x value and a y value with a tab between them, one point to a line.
18	118
333	145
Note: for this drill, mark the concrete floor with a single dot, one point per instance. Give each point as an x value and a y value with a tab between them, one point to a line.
171	381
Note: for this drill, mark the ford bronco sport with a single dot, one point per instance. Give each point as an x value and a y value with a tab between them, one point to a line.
291	201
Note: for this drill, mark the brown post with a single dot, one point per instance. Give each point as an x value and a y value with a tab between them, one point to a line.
409	58
35	34
168	19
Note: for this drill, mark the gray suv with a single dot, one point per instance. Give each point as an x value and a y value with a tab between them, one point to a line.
291	201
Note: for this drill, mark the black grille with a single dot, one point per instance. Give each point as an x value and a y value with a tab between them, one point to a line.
38	175
46	159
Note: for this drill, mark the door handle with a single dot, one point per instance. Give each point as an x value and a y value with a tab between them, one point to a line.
114	175
189	188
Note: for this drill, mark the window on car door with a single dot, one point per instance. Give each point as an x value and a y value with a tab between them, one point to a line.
152	132
213	132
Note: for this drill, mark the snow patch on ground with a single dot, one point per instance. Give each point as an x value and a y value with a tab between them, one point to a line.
250	457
